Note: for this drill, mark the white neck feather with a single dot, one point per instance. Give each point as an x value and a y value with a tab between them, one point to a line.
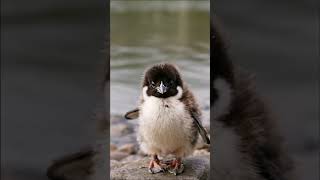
179	94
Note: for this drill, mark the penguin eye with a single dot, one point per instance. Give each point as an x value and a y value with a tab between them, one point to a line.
171	83
152	84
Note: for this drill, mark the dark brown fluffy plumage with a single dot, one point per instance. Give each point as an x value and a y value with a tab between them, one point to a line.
193	108
251	120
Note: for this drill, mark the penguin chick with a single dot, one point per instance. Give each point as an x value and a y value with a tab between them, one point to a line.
169	118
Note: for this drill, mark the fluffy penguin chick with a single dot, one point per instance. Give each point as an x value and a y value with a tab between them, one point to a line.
169	118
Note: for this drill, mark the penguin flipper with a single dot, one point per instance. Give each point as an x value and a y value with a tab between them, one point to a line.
200	128
133	114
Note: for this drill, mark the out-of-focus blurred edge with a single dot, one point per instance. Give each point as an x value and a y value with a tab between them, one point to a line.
211	86
317	19
316	10
95	158
107	87
103	123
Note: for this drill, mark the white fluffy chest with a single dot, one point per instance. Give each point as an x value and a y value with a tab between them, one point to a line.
164	123
162	118
162	111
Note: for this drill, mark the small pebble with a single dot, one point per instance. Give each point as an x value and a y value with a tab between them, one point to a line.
116	118
131	158
201	152
113	147
116	155
120	130
128	148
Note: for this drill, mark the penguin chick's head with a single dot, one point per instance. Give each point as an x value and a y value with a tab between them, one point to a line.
162	80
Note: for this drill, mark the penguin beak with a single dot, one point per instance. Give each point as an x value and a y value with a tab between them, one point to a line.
162	88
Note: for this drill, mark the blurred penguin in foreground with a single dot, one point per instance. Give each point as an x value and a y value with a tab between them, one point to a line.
246	145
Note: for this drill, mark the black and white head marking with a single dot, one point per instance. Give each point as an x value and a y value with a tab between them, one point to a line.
177	96
162	81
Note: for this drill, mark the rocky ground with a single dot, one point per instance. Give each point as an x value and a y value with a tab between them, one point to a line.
127	159
196	167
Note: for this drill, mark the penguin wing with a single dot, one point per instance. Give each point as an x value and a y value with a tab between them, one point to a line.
133	114
200	128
